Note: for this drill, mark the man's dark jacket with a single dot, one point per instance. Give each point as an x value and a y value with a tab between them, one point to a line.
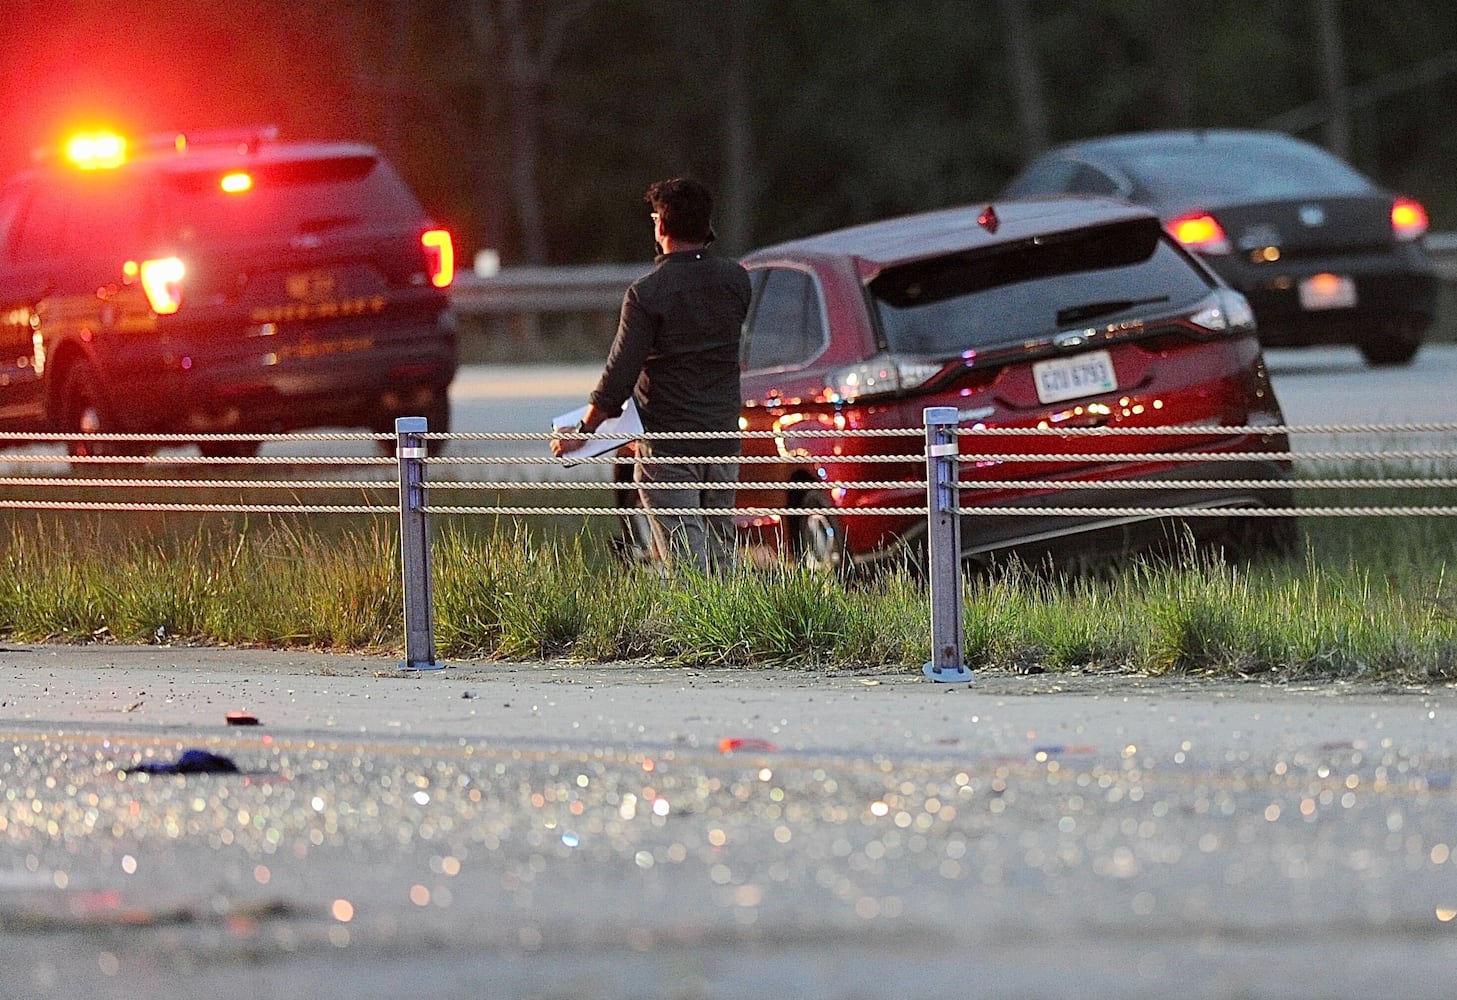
677	351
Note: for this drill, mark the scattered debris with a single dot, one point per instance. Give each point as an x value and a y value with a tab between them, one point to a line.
1057	750
92	910
731	743
242	719
190	762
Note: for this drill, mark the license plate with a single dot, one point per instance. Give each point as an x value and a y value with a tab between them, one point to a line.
1327	291
1071	378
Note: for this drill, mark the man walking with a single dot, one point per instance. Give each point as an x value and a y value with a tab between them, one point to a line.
677	354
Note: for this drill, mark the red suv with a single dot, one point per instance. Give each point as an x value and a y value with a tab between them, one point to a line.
225	282
1056	313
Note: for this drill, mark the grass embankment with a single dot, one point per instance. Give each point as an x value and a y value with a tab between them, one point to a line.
1366	598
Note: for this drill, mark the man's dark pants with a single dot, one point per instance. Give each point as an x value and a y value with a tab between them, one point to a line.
704	541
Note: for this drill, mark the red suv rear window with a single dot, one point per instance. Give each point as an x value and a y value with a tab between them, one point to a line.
1018	291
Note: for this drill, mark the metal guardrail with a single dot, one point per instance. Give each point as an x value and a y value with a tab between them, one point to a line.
599	287
1442	247
589	288
943	451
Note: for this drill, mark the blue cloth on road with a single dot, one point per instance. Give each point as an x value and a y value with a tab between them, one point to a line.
190	762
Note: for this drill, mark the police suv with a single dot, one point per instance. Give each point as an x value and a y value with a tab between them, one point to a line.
223	282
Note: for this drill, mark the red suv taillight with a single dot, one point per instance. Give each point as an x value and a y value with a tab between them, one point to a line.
1224	312
439	257
161	280
1199	232
1408	219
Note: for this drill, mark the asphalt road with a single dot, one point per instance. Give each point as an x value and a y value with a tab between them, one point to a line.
557	830
1332	385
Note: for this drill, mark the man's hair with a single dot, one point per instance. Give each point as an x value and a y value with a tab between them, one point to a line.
685	207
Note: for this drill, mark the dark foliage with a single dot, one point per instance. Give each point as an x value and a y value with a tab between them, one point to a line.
534	127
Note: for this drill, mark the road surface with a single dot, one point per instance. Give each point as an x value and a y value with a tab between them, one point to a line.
631	831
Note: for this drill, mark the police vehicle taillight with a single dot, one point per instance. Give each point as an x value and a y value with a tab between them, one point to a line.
236	182
439	257
161	280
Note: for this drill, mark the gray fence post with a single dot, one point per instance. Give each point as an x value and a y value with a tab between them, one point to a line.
415	546
943	546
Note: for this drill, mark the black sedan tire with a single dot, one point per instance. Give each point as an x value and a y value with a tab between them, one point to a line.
1393	345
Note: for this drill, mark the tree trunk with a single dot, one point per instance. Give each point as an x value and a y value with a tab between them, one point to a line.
1026	79
1333	73
736	227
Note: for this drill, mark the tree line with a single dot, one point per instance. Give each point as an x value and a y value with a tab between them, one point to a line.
533	126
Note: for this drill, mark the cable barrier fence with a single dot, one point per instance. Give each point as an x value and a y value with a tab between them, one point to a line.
936	483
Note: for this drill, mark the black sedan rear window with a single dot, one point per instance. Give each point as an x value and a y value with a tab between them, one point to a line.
1032	289
1243	170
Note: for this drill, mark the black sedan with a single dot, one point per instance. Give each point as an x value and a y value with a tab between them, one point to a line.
1324	255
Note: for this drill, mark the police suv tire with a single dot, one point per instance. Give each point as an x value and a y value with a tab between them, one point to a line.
85	410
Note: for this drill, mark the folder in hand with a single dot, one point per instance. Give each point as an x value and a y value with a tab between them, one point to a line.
613	433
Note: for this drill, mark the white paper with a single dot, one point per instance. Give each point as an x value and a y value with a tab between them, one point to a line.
612	434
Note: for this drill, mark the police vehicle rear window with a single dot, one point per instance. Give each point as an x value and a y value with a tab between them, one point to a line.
286	198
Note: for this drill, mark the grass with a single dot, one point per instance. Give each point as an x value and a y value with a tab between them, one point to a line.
1365	598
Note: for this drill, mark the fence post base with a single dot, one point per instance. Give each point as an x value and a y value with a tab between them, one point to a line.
952	674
